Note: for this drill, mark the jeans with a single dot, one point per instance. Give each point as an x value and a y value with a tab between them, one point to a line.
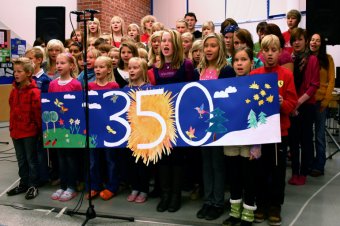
42	162
26	153
320	140
213	175
97	179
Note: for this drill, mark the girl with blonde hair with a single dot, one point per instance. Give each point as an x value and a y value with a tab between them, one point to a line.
117	30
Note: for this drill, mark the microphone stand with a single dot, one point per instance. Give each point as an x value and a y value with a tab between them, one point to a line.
90	213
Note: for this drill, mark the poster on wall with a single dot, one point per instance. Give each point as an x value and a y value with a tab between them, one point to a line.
18	47
235	111
6	73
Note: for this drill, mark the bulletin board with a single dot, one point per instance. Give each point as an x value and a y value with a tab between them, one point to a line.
6	73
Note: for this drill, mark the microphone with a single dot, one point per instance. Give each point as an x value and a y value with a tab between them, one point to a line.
77	12
93	11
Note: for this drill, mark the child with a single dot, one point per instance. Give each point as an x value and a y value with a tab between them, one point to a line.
75	48
154	48
307	82
77	35
243	38
126	51
228	34
139	175
187	39
90	59
272	164
260	33
134	32
285	58
104	80
196	52
182	26
42	80
214	66
146	25
67	158
173	68
242	159
117	30
53	48
107	38
36	55
323	96
114	55
157	26
143	53
207	28
293	20
25	126
93	29
80	62
104	49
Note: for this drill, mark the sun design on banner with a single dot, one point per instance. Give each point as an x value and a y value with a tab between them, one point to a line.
146	129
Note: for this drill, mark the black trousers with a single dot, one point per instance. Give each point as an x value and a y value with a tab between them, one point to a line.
242	179
271	176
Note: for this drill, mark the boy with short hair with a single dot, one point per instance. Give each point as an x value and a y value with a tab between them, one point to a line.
293	20
272	164
36	55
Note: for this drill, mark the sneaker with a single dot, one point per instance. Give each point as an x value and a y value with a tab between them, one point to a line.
316	173
132	197
56	195
274	215
203	211
232	221
301	180
106	194
31	193
141	198
93	193
259	215
293	180
214	213
67	195
17	190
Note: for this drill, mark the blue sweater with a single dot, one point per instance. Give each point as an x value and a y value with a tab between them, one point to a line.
43	81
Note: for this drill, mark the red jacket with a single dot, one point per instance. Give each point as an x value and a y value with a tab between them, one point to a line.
286	90
25	111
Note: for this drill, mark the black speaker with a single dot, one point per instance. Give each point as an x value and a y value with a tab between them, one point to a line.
337	78
324	17
50	23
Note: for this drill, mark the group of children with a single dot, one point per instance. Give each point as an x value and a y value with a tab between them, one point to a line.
257	172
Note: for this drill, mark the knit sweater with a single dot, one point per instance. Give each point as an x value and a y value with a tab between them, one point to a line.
25	111
327	81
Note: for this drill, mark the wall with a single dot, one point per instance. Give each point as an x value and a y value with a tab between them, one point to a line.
247	17
19	16
130	11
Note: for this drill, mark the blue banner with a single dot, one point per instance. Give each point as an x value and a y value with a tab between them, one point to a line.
236	111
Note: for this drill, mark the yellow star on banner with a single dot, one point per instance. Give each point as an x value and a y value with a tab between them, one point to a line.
254	86
267	86
270	99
